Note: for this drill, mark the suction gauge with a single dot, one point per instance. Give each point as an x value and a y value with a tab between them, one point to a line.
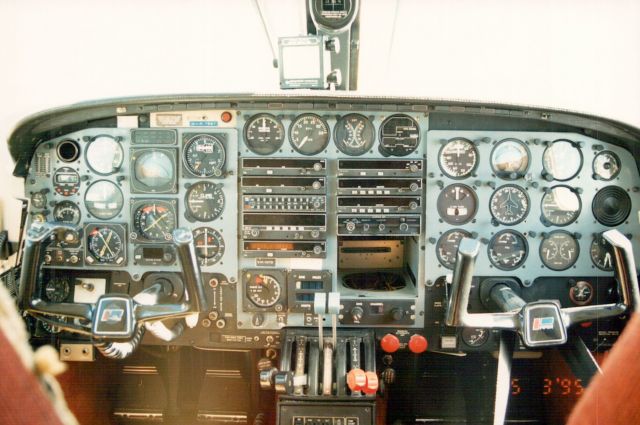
458	158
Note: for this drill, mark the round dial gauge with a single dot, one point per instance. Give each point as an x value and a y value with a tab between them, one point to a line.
153	170
52	329
263	290
57	289
559	250
38	200
263	134
104	155
354	134
447	246
309	134
209	245
458	158
457	204
475	337
205	201
155	221
66	212
606	165
560	206
103	199
105	245
510	159
508	249
509	204
204	156
581	293
66	181
602	253
399	135
562	160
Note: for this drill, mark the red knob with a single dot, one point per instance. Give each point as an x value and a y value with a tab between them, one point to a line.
390	343
372	383
356	380
418	344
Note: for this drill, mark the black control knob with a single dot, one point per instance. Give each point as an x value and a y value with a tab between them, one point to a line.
388	376
357	313
397	314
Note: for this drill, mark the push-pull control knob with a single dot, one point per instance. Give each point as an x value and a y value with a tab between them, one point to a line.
356	380
283	382
372	383
267	378
418	344
390	343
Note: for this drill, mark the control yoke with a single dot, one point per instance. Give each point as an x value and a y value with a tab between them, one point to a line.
540	323
115	317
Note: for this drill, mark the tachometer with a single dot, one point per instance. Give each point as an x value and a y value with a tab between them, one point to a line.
103	199
457	204
309	134
399	135
263	290
562	160
204	156
66	212
561	206
447	246
510	159
209	245
508	249
105	245
509	204
154	221
354	134
606	166
263	134
559	250
104	155
601	253
205	201
458	158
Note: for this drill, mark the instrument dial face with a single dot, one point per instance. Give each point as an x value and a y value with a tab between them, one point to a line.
458	158
38	200
606	165
104	155
67	212
57	289
581	293
447	246
309	134
562	160
509	204
457	204
399	135
354	134
52	329
105	245
561	206
155	221
205	201
602	253
103	199
263	134
154	170
263	290
204	156
559	250
475	337
209	245
508	250
510	159
66	181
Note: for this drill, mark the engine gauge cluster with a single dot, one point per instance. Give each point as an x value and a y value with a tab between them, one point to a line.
354	134
559	250
508	249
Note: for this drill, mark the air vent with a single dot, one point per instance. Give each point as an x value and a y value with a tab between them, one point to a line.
611	206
